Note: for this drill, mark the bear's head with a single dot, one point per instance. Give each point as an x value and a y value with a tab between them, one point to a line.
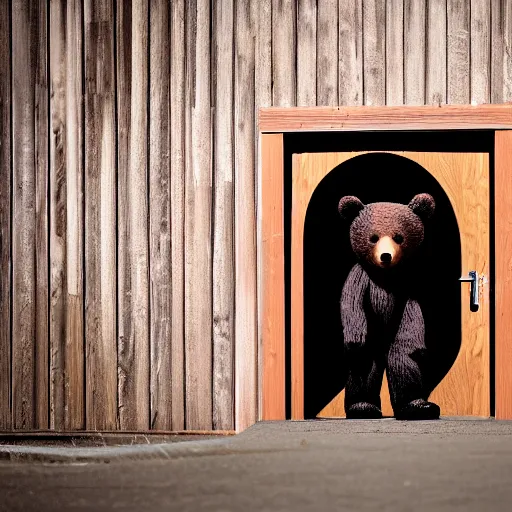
384	234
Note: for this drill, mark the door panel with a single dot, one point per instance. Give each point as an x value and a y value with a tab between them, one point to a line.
465	390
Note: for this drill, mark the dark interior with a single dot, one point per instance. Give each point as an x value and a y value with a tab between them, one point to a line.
328	256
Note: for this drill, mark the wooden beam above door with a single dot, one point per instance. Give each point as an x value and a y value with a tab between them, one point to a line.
446	117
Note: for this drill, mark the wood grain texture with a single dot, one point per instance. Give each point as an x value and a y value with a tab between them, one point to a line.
177	190
506	20
124	125
160	262
30	251
41	160
394	52
100	217
67	398
263	51
458	39
283	52
272	318
246	349
435	93
480	51
42	164
262	16
307	171
307	53
374	40
133	291
58	210
327	59
198	220
5	217
503	275
74	391
414	51
350	52
223	254
290	55
501	56
465	390
498	13
448	117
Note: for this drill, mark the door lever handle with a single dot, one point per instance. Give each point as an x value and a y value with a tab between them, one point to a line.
473	293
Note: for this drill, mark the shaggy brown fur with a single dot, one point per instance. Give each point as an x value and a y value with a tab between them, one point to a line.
383	325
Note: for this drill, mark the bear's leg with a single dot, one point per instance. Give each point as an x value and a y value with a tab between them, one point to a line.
406	382
362	391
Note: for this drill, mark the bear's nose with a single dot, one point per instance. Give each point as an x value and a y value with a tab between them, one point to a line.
385	257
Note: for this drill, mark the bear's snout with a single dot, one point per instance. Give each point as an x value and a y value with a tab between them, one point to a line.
387	252
385	257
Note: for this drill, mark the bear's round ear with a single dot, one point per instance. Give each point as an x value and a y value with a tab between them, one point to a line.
423	205
349	208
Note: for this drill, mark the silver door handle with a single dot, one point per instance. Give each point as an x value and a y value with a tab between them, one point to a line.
473	292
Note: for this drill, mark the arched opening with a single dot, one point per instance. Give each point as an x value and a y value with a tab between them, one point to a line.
328	258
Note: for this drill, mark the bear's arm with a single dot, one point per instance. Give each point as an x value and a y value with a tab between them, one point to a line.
353	317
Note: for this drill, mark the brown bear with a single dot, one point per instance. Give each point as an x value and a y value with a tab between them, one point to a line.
383	326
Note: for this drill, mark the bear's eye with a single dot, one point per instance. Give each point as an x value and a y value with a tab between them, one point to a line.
374	239
398	239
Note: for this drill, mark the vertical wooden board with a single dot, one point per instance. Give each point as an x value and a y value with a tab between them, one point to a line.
100	218
307	53
159	214
458	39
435	87
263	51
74	392
497	48
177	192
503	275
223	255
350	52
124	126
327	56
272	278
480	51
133	333
245	213
414	51
41	124
283	53
506	20
58	211
374	40
30	256
198	216
395	52
23	232
5	217
66	293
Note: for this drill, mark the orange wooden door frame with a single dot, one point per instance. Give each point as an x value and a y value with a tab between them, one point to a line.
273	122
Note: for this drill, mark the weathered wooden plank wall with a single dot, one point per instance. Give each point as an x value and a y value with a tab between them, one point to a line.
129	171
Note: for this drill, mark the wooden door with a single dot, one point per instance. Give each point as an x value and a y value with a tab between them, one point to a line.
465	390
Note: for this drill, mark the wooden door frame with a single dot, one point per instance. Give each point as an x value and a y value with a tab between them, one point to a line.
273	123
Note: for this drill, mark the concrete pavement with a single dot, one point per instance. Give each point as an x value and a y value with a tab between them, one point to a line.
381	465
